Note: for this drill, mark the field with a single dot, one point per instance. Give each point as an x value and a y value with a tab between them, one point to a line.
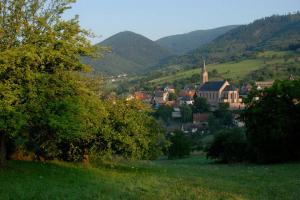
190	178
235	70
232	70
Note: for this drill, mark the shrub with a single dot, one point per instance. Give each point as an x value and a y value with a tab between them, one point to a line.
180	145
129	132
228	146
272	123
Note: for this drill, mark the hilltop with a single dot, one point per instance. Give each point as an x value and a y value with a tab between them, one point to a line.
130	53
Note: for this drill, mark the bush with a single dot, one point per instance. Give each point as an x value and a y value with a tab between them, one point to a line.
272	123
180	145
228	146
129	132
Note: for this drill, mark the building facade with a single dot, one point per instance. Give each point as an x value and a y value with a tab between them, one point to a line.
216	92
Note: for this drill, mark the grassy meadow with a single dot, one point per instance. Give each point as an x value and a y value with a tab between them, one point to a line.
235	70
190	178
231	70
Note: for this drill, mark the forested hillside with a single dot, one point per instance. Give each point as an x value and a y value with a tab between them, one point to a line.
130	53
183	43
271	33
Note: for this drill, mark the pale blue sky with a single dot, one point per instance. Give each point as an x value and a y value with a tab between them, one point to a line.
159	18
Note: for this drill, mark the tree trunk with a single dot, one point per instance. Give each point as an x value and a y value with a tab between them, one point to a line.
2	150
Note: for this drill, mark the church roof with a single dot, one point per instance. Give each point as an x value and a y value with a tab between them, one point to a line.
212	86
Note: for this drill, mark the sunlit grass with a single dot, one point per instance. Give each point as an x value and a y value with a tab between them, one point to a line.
190	178
231	70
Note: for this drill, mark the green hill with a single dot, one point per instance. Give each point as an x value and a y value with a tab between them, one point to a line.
131	53
267	65
230	70
183	43
274	33
112	64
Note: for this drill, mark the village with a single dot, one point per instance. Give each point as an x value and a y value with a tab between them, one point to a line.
180	108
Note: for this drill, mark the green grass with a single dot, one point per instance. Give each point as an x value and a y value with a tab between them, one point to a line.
231	70
191	178
270	54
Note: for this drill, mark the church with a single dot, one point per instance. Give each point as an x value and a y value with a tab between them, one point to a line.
216	92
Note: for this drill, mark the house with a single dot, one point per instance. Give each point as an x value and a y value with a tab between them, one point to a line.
187	92
142	96
201	118
216	92
160	97
245	90
260	85
169	89
186	100
176	113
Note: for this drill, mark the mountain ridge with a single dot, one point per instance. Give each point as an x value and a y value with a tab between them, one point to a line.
130	53
275	33
183	43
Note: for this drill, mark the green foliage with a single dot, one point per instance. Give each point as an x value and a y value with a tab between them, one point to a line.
200	105
180	145
50	109
129	131
228	145
270	33
194	177
62	113
37	49
131	53
186	113
214	124
238	70
184	43
272	122
224	115
271	118
172	97
164	112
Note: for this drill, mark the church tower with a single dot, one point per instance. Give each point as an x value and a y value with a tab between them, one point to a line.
204	74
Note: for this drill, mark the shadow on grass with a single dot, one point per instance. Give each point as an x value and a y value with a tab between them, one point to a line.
58	180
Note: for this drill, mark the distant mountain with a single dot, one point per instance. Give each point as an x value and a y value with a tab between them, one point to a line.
275	33
183	43
131	53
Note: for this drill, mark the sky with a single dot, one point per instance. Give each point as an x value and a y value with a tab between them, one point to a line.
159	18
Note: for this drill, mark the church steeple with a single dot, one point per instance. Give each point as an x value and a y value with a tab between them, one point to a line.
204	74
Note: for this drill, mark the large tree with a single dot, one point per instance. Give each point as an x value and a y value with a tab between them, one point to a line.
200	105
186	113
35	41
132	132
272	121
